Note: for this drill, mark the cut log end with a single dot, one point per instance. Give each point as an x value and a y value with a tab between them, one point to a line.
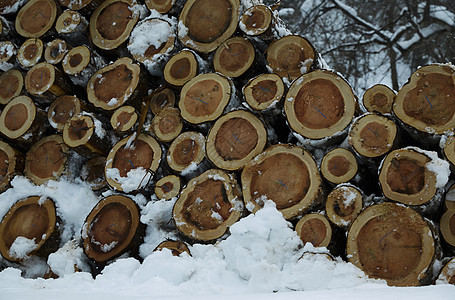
61	110
343	205
285	174
208	206
17	117
11	164
55	51
93	173
161	98
391	242
168	187
372	135
186	151
110	228
339	166
11	85
35	18
256	20
234	57
30	52
78	130
449	198
181	68
76	60
314	229
124	118
427	102
68	21
447	225
32	219
379	98
264	91
161	6
235	139
167	124
45	78
176	247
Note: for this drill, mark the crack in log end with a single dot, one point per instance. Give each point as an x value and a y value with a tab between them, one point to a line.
78	129
113	20
126	159
207	20
16	117
405	176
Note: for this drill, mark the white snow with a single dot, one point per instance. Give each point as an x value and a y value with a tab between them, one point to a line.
21	247
440	167
135	179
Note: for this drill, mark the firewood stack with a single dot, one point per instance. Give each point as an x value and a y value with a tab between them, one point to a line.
215	105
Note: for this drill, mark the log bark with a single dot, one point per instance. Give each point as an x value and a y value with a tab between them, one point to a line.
11	85
339	166
291	56
123	119
46	160
181	68
161	98
208	206
264	91
447	226
205	97
11	164
186	154
379	98
32	218
112	228
285	174
315	229
131	163
22	122
168	187
343	205
447	275
86	135
112	22
234	57
235	139
391	242
176	247
63	109
93	173
36	18
55	51
319	106
167	124
427	102
206	24
30	53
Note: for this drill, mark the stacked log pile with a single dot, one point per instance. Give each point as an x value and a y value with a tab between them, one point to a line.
213	104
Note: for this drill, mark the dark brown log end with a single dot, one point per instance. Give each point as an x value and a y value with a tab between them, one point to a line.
11	164
161	98
30	52
186	150
35	18
32	218
234	57
208	206
379	98
55	51
391	242
176	247
168	187
427	101
285	174
93	173
290	56
207	23
11	85
264	91
339	166
343	205
124	118
372	135
78	130
17	117
76	60
319	105
447	225
315	229
63	109
181	68
46	160
449	198
110	228
256	20
235	139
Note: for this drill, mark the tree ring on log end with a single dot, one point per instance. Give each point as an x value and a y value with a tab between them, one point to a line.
10	163
405	178
40	79
205	24
55	51
46	159
235	139
208	206
30	218
314	229
17	117
427	101
161	6
234	57
131	163
30	52
11	84
447	225
110	227
93	173
35	18
447	274
319	105
176	247
256	20
168	187
181	68
391	242
68	21
162	98
339	166
111	86
78	130
379	98
285	174
76	60
186	150
264	91
124	118
112	22
290	56
343	205
61	110
204	97
372	135
167	124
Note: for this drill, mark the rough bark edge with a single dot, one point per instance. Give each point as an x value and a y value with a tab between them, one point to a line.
191	74
28	124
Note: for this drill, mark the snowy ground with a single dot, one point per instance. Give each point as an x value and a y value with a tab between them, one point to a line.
261	258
